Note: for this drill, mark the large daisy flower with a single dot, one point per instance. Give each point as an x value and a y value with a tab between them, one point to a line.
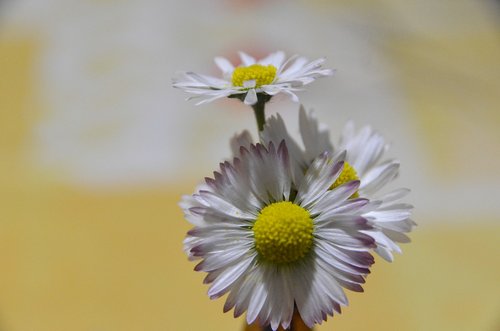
266	77
364	161
276	244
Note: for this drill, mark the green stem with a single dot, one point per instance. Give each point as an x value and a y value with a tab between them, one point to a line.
259	110
260	114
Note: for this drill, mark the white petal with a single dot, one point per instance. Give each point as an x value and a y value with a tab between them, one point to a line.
257	301
394	195
223	206
224	65
243	139
320	175
224	281
249	83
222	259
246	59
275	59
377	177
251	98
315	139
335	197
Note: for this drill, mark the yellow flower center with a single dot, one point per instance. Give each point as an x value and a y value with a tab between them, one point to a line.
263	75
283	232
348	174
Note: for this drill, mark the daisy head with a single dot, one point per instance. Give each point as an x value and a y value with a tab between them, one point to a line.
365	162
253	81
275	244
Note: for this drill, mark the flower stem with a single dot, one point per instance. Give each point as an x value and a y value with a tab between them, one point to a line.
259	110
260	114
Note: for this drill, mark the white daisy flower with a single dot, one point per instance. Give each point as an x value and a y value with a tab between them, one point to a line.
275	244
363	161
253	80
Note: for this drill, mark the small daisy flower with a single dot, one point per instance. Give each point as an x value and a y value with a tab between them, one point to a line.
275	244
363	161
265	78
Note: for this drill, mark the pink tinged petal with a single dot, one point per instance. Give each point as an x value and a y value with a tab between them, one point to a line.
257	301
317	180
389	215
216	247
251	165
212	217
275	131
342	279
277	169
217	203
246	59
222	259
287	301
282	173
349	207
224	65
336	263
268	171
236	293
323	290
212	275
384	245
304	295
280	299
345	222
188	243
246	290
251	97
335	197
226	279
219	231
350	241
232	185
361	259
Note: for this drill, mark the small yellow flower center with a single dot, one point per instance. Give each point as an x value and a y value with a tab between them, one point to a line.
263	75
283	232
348	174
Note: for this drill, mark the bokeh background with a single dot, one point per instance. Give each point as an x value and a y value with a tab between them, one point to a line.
96	149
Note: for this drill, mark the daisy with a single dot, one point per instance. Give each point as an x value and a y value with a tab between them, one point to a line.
364	161
253	81
275	244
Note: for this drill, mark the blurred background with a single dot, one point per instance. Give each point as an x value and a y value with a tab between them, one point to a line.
96	149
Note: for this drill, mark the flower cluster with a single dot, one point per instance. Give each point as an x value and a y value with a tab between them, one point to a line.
286	225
